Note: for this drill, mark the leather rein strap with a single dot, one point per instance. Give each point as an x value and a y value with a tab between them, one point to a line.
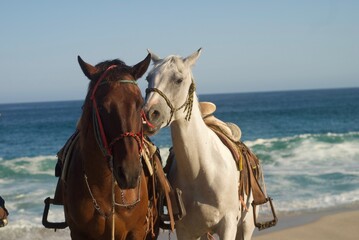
100	134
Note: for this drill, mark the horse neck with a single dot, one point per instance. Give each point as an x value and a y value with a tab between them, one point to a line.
188	142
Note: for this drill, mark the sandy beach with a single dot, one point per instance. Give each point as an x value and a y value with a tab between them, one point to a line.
341	225
338	224
327	225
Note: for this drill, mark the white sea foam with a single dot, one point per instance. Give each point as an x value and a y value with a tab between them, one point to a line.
24	231
320	201
32	165
164	155
302	172
311	171
309	153
5	181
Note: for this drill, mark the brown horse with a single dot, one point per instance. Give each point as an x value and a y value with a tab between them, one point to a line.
106	192
3	213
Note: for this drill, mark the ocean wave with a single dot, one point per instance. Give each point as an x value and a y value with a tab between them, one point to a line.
302	172
38	165
6	181
320	201
164	152
41	165
310	171
311	153
261	141
24	231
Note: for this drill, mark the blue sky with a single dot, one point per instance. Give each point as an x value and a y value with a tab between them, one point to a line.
247	46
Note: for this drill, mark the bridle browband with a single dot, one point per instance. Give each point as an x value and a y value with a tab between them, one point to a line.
100	135
187	105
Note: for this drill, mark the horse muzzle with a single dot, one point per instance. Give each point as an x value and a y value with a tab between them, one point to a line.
150	130
155	118
125	179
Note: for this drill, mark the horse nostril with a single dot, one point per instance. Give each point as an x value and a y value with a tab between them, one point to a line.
155	114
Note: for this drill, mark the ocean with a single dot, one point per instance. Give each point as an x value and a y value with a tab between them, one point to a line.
308	143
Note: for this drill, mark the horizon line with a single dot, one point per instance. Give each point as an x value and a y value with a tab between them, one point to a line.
202	94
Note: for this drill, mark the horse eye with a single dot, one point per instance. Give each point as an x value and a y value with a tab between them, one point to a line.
178	81
102	109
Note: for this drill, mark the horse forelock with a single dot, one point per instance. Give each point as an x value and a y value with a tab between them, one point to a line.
102	66
172	62
113	75
116	73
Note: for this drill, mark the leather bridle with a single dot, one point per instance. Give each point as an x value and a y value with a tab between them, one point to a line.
187	105
100	135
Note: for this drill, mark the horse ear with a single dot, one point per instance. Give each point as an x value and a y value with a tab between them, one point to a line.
154	57
87	69
140	68
191	60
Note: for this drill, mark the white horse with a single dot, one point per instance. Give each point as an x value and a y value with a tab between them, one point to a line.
204	169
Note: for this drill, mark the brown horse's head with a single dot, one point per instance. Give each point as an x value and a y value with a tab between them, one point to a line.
113	105
3	213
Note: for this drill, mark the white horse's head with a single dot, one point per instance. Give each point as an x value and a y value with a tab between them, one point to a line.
170	92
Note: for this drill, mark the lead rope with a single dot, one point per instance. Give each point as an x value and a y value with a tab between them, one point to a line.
210	236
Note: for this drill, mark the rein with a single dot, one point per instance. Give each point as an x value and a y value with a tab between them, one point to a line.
106	149
187	105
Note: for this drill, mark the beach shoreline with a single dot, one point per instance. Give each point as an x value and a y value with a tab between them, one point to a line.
339	223
328	223
292	219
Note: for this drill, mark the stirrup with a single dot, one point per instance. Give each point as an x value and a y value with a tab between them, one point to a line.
45	222
177	216
267	224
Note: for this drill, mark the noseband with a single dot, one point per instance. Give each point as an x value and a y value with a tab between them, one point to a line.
187	105
100	135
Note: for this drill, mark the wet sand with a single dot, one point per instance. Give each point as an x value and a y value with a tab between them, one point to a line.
338	224
342	224
329	226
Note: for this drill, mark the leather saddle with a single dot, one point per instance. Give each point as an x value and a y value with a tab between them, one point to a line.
153	165
231	130
247	162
